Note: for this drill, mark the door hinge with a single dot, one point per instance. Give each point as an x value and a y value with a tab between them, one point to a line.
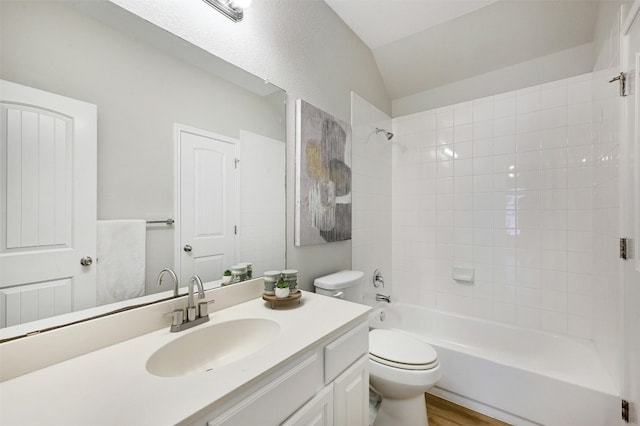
235	229
624	252
622	80
236	162
625	410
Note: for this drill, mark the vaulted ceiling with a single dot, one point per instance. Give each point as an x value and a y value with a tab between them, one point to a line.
423	44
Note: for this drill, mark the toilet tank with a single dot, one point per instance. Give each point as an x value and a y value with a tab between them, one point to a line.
345	285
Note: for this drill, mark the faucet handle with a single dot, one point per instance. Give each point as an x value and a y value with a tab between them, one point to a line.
177	316
203	308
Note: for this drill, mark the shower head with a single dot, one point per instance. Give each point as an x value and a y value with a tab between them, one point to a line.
387	134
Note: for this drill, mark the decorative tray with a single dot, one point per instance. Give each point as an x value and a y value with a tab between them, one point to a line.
273	300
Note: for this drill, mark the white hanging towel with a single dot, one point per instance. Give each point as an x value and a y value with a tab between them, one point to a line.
121	260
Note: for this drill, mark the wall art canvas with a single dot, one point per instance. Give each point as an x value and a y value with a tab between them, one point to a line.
323	177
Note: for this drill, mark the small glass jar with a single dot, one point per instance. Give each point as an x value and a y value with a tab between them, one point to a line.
238	273
271	278
291	276
249	267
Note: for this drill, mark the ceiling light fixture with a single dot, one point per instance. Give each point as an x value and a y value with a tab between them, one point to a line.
232	9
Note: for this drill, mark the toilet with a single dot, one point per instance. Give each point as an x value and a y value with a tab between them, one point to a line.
401	367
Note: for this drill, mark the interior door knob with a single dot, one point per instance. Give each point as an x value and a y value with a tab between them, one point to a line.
188	248
86	261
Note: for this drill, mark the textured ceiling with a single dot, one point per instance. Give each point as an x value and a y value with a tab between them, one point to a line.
423	44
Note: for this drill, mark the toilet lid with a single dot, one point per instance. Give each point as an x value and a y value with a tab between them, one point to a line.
401	350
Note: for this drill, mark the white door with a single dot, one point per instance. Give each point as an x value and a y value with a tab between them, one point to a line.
47	204
630	179
206	200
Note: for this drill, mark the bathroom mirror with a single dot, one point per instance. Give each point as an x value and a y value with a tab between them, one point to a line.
146	83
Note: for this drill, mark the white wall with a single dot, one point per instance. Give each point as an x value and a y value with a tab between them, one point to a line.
501	184
371	180
563	64
301	46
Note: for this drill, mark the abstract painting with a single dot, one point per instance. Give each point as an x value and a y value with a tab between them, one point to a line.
323	177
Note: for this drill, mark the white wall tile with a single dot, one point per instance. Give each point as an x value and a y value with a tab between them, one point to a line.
504	105
580	327
528	101
504	126
579	134
483	165
554	117
463	133
553	300
462	113
463	167
504	184
554	322
579	113
504	144
554	138
528	141
579	91
483	111
445	116
482	129
529	122
504	163
553	97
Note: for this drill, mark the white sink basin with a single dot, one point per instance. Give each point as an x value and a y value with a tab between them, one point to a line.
212	346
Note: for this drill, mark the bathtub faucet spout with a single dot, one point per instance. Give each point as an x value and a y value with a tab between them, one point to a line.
383	298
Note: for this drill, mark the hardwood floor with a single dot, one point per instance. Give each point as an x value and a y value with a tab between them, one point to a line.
441	412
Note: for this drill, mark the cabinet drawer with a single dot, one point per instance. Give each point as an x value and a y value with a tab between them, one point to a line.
343	351
279	398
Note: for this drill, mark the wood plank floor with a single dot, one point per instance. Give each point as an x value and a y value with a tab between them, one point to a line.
441	412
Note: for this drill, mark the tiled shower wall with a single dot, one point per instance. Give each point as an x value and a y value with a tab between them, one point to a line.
371	180
502	185
607	289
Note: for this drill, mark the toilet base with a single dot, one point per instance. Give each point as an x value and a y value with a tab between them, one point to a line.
402	412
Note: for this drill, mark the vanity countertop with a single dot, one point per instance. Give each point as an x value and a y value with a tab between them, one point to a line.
112	386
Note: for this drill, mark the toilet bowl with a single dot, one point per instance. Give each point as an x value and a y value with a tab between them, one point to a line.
401	367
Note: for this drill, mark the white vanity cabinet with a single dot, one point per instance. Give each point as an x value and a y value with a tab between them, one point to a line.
327	385
344	402
312	372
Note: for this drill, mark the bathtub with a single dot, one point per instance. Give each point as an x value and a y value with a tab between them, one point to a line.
522	376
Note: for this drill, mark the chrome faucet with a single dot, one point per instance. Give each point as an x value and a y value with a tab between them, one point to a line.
191	307
173	275
383	298
195	314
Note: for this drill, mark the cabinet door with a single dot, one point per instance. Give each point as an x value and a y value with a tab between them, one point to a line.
351	395
317	412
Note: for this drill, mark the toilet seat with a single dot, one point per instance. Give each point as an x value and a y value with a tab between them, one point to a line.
398	350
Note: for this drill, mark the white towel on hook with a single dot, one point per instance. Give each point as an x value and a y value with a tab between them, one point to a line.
121	250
